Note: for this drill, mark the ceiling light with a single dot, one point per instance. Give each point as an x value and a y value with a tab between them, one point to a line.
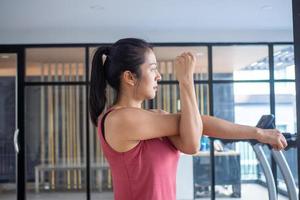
266	7
97	7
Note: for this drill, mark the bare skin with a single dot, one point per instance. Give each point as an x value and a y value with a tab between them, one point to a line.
128	123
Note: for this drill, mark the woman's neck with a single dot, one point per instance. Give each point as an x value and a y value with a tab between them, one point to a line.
124	103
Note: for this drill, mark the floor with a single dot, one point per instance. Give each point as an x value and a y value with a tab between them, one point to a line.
249	191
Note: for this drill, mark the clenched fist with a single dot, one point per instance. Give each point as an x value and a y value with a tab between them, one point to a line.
185	67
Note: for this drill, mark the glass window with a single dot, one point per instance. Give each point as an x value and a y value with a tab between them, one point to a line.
166	55
284	64
55	126
92	51
240	62
285	106
8	165
55	64
285	102
241	103
168	98
201	172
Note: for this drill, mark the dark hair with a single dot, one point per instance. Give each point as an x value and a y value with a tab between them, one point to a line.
125	54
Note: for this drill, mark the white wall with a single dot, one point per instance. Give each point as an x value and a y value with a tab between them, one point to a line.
50	36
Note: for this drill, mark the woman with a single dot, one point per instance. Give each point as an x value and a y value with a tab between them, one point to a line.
141	146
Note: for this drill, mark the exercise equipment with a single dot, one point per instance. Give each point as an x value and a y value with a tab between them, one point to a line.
268	122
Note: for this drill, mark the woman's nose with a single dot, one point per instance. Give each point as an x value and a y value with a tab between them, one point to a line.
158	76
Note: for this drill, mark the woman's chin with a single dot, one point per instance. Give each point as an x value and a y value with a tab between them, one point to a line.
151	97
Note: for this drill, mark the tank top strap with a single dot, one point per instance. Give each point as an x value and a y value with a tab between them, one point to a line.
102	118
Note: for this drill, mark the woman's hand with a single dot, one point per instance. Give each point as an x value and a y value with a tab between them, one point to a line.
272	137
185	66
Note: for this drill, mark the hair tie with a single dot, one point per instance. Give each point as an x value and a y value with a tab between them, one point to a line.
106	51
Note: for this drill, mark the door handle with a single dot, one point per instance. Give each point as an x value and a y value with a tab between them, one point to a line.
16	144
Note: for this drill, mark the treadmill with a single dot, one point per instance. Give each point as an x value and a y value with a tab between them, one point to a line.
268	122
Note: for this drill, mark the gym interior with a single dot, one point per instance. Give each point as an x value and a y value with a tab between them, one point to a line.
247	72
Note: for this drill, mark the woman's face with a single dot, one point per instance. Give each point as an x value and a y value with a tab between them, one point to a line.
147	86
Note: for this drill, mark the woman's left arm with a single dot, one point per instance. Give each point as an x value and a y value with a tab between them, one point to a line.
219	128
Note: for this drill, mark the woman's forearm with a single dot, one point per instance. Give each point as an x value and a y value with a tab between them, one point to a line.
219	128
190	125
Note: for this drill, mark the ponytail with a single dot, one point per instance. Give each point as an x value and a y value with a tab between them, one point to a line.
97	99
125	54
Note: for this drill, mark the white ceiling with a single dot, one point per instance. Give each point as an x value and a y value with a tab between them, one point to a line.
90	21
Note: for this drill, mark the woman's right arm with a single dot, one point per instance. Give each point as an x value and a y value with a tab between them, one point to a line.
190	124
139	124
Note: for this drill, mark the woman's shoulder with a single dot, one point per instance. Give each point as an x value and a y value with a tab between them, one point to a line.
126	112
120	115
127	118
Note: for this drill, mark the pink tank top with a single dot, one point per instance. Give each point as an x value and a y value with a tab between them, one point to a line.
146	172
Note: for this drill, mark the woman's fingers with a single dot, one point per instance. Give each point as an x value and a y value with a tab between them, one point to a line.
187	55
285	144
274	138
281	143
278	144
184	66
193	58
277	147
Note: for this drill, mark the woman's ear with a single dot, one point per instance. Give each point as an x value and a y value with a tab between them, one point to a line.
129	78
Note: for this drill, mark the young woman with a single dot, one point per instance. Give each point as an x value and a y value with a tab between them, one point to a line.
141	146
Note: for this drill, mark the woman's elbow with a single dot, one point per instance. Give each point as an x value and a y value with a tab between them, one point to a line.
192	149
197	130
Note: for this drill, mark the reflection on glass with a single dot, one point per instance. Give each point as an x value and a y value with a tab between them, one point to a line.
240	62
54	64
55	126
8	65
165	57
232	102
284	64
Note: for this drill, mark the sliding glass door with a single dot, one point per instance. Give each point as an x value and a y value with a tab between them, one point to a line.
8	125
